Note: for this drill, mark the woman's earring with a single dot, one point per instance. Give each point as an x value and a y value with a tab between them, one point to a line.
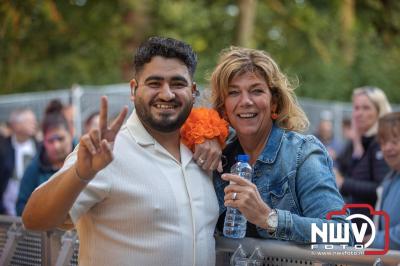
274	115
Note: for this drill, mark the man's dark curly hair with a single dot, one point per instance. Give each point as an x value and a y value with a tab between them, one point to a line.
165	47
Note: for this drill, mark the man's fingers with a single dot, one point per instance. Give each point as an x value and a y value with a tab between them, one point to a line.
117	123
86	141
95	138
103	116
106	150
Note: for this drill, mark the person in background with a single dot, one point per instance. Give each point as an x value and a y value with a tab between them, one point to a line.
92	121
293	182
69	112
5	130
347	132
16	151
325	134
388	198
57	144
361	167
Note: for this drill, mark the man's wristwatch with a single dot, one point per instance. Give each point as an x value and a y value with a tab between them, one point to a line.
272	221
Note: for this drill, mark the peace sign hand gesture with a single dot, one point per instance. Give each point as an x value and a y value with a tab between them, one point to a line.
95	149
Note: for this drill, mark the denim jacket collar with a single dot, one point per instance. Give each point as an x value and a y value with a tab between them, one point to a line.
274	143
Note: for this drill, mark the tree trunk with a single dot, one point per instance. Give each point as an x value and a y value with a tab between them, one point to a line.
245	29
347	17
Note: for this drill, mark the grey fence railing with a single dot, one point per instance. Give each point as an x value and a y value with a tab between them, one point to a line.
86	100
59	248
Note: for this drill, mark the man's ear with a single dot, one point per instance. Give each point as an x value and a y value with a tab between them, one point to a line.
195	91
134	85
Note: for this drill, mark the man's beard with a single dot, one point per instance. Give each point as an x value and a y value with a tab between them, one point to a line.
164	124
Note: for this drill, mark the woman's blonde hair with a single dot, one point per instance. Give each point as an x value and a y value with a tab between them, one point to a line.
237	61
378	99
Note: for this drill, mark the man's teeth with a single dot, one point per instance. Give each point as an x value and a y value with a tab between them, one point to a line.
247	115
165	106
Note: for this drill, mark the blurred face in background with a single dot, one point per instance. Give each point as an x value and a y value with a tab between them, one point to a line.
325	130
93	122
365	113
389	140
25	124
58	144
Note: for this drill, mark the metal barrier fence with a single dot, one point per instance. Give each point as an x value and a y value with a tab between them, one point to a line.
21	247
86	100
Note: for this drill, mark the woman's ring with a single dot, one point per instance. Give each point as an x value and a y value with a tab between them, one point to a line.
234	196
201	161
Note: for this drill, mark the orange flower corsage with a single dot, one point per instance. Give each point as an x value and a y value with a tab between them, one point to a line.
203	124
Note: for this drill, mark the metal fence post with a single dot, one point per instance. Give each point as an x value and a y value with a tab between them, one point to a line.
13	235
77	93
68	241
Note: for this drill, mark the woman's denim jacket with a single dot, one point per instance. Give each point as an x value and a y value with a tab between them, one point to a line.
294	176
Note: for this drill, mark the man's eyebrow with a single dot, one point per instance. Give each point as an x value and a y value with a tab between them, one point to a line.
152	78
179	78
160	78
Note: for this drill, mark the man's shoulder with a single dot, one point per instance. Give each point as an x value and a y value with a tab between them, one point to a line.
6	148
5	143
124	137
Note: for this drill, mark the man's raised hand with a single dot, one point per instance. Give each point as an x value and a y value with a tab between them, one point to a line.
95	147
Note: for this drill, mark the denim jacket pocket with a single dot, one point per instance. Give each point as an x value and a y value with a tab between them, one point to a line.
281	196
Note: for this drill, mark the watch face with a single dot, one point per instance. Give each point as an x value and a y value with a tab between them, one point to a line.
273	220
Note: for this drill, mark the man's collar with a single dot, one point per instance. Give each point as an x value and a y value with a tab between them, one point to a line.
138	131
143	137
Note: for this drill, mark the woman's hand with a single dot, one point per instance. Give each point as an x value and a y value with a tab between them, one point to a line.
208	155
358	149
339	178
247	200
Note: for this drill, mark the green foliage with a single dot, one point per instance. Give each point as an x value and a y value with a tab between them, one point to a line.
51	44
47	45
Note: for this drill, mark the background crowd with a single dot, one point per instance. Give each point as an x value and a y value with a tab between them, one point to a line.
31	151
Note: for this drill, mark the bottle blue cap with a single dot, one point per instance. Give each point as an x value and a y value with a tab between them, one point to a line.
243	158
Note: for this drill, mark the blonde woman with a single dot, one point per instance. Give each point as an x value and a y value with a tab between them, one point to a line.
361	166
293	182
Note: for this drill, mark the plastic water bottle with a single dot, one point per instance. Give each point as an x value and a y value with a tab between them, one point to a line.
235	222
